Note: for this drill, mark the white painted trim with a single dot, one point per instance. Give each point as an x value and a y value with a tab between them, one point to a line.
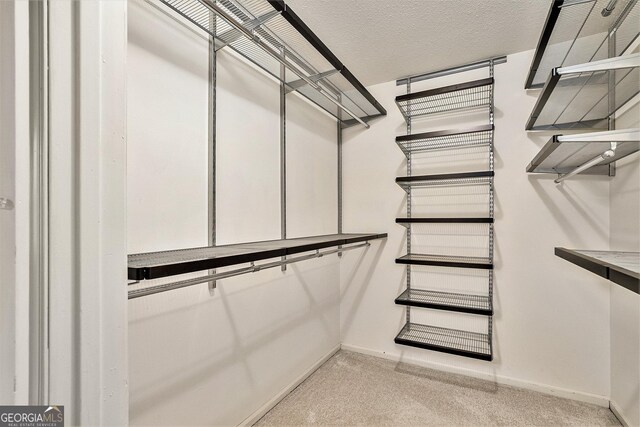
513	382
617	411
253	418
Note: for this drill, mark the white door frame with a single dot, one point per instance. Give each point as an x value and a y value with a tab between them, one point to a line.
86	208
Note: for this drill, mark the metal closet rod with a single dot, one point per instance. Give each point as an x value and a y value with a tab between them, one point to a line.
589	164
136	293
251	35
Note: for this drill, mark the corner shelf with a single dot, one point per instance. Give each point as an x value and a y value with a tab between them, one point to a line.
575	32
578	96
562	154
452	341
269	34
622	268
463	96
446	139
440	220
446	261
463	178
463	303
154	265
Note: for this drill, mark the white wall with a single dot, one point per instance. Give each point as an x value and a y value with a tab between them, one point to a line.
551	318
625	305
198	359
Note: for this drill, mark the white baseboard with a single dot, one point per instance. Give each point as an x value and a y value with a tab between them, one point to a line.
618	413
253	418
541	388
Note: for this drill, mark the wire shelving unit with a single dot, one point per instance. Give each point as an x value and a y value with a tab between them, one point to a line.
476	95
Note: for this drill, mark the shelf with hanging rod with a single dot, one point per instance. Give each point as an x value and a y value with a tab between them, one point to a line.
577	96
154	265
577	31
269	34
565	154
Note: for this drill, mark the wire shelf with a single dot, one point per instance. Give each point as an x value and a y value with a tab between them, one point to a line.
563	154
576	32
452	341
272	24
406	222
446	139
154	265
463	96
464	303
451	179
580	99
483	263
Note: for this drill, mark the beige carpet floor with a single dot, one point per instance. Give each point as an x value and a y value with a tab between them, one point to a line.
354	389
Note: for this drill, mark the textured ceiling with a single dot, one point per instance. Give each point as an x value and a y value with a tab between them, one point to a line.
382	40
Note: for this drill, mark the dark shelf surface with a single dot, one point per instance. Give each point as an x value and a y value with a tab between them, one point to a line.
462	96
581	100
563	157
446	261
576	32
442	220
452	341
464	303
622	268
462	178
154	265
278	27
446	139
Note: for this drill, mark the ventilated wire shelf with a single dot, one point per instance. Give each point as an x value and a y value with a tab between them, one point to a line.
444	140
463	96
582	99
407	222
464	303
576	32
563	154
452	341
453	261
453	179
276	26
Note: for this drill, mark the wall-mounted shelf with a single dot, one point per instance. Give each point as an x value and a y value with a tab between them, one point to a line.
452	341
441	220
622	268
463	96
577	32
450	301
478	136
154	265
463	178
563	154
446	261
269	34
577	96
